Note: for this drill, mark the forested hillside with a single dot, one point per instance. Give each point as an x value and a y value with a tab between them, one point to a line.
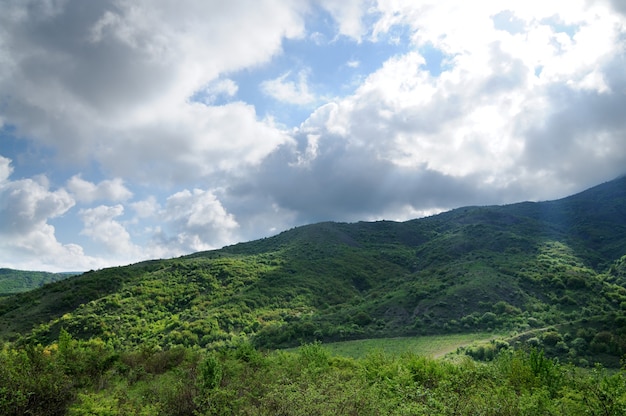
512	268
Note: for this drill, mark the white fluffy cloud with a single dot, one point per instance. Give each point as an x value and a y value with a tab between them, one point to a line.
189	221
146	208
100	224
349	15
196	220
289	91
190	143
110	190
216	89
522	107
498	113
27	240
28	203
123	83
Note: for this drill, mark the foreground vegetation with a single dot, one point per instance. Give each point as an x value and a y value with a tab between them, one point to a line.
91	377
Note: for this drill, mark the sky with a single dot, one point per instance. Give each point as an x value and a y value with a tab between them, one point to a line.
144	129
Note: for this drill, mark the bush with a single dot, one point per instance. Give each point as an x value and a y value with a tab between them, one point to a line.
488	318
551	338
533	342
426	371
209	373
482	352
32	382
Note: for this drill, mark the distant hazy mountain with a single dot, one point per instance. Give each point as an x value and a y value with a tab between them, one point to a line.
15	281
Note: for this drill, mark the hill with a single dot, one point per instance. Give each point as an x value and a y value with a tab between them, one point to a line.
15	281
553	272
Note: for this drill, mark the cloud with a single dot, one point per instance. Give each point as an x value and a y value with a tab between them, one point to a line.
188	221
582	139
619	6
191	143
28	204
333	185
146	208
27	240
110	190
490	128
349	15
480	116
61	90
219	88
5	169
100	224
195	220
289	91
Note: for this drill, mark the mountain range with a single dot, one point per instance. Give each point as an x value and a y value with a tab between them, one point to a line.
549	273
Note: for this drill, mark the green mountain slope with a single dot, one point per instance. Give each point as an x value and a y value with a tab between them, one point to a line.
15	281
556	265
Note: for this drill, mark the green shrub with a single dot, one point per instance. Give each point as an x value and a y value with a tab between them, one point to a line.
551	338
32	382
209	373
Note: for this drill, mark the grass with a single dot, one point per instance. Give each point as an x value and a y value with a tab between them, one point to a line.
432	345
